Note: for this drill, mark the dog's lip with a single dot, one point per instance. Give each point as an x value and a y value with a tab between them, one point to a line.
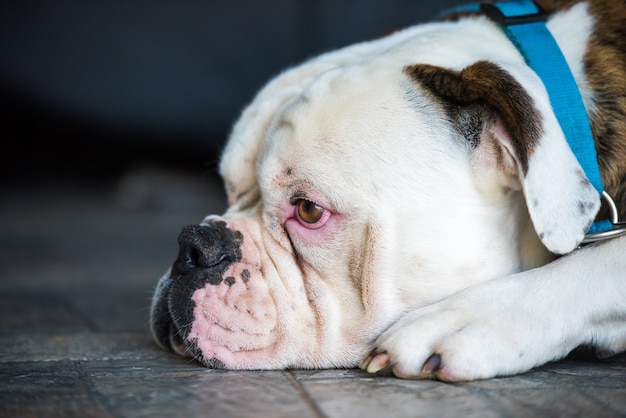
182	348
164	329
167	333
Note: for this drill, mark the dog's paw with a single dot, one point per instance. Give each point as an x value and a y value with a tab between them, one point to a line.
476	334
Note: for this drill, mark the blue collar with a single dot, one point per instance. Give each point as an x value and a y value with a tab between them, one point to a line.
523	22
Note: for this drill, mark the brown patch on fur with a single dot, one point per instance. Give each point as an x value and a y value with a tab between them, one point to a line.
484	84
605	69
605	66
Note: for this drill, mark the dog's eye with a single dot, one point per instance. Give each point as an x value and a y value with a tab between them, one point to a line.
309	212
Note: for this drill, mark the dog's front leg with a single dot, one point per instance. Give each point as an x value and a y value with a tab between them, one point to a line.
510	325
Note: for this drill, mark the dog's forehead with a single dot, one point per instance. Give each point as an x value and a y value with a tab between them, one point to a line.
349	92
342	127
353	107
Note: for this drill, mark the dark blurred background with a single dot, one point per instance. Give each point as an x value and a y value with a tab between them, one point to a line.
90	89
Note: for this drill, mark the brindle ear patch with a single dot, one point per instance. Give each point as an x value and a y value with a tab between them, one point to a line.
486	84
561	201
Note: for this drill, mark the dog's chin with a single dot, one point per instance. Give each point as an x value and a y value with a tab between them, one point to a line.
170	337
190	350
187	349
181	348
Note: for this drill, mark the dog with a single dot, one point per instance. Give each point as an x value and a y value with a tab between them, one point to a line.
410	205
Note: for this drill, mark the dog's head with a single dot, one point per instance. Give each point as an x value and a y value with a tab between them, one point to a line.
358	189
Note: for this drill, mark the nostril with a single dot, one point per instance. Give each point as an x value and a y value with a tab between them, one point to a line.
202	246
188	259
195	248
192	256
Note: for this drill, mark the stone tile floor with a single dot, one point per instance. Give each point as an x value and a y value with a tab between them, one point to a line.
77	271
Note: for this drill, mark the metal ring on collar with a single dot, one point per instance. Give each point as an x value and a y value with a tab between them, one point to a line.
612	207
619	228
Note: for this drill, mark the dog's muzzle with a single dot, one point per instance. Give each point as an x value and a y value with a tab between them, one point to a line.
205	253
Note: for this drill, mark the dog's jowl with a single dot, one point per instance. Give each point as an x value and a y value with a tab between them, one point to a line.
412	205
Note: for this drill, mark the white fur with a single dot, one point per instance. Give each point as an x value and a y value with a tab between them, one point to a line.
417	239
512	324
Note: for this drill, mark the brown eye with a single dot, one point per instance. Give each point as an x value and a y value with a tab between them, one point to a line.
309	212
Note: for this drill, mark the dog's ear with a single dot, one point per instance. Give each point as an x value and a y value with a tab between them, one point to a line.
516	139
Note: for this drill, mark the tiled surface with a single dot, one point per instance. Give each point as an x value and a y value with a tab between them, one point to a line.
76	274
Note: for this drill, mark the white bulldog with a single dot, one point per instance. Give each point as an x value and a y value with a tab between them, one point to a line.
409	198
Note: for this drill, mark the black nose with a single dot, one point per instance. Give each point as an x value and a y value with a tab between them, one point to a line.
212	247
